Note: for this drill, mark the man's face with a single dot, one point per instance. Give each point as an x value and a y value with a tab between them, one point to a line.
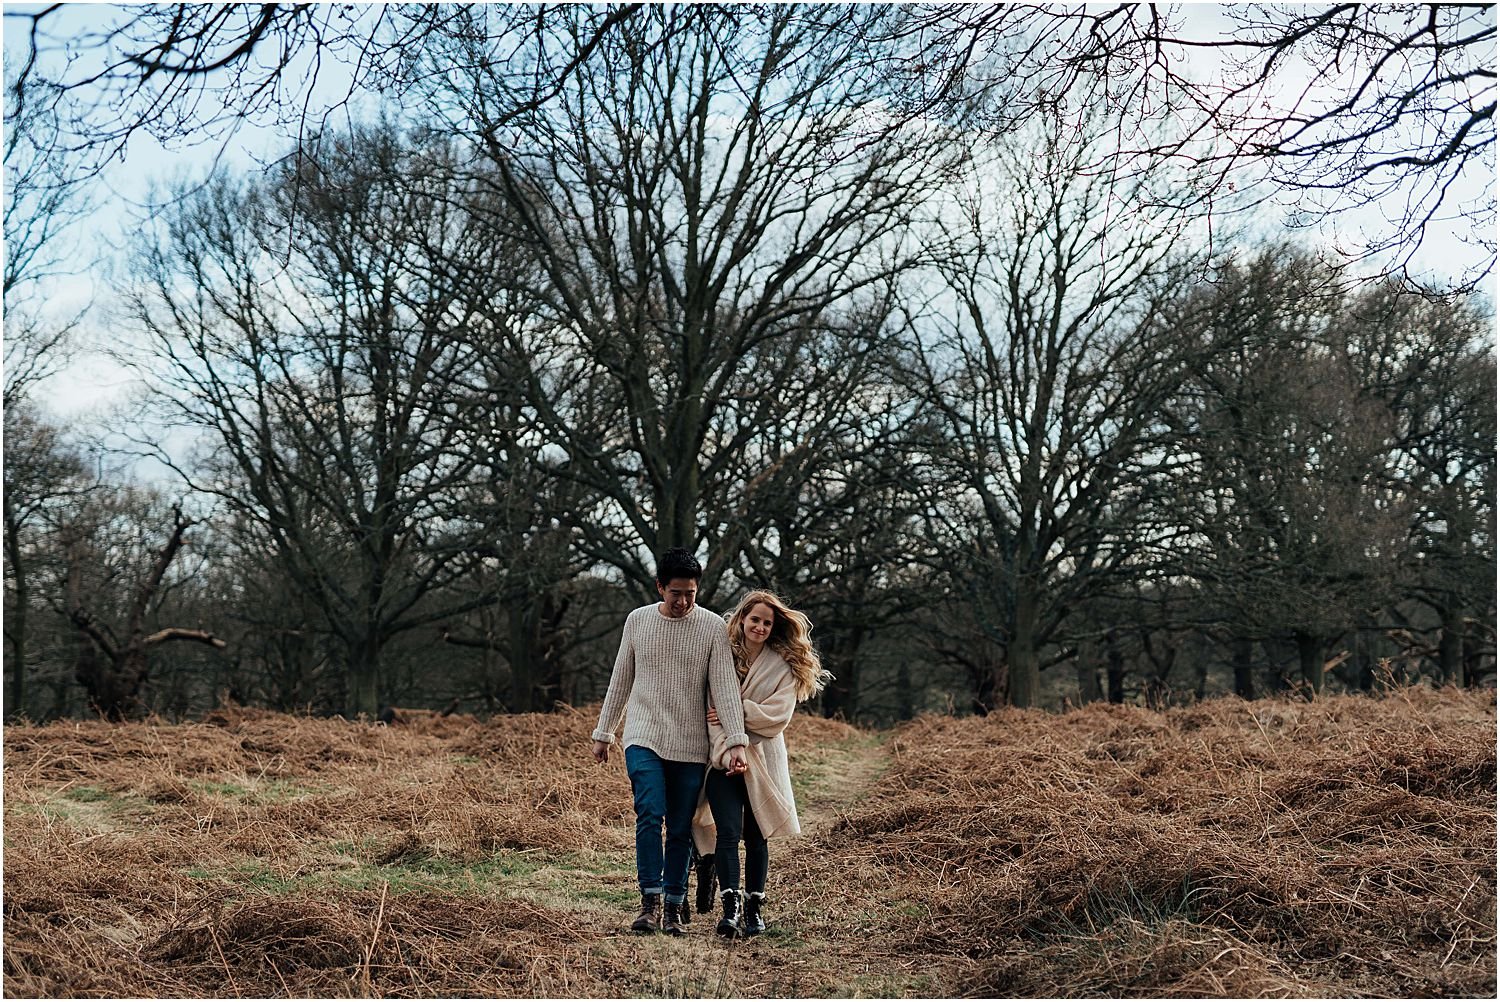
678	595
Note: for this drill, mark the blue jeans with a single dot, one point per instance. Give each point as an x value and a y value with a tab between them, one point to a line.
666	793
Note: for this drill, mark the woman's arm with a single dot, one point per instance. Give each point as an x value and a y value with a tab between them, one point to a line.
768	717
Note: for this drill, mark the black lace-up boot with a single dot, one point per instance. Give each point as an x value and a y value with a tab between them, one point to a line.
729	925
755	924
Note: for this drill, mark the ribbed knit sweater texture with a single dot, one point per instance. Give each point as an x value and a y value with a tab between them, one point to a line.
661	680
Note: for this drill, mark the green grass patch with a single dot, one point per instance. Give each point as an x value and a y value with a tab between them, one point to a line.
87	794
548	879
895	986
274	791
88	807
251	874
1127	903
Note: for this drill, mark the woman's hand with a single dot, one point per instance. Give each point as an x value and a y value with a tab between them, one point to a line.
713	715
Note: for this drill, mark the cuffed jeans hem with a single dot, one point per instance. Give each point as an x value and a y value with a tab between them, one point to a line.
676	899
650	890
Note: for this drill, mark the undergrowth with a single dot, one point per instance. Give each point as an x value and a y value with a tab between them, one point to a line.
1338	848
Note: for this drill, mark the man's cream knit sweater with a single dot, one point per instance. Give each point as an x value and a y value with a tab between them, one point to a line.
661	680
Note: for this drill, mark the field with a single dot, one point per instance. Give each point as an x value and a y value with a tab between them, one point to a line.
1340	848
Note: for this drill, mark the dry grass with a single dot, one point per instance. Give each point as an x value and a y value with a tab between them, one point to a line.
1264	849
1231	849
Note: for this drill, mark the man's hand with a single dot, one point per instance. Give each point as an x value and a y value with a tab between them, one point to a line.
737	762
601	752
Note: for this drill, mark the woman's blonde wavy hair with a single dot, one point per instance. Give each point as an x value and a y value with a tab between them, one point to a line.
790	637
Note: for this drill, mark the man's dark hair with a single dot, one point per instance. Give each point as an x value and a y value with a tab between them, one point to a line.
677	563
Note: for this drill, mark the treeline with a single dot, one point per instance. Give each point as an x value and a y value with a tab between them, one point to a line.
1009	428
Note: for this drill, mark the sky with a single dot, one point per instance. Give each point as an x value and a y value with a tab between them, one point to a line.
94	385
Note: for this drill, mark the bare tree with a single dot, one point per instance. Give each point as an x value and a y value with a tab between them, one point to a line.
710	187
1045	366
1344	105
40	206
313	328
828	510
188	74
1429	361
114	663
1341	105
1292	523
45	477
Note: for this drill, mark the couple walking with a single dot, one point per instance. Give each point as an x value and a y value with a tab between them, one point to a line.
698	699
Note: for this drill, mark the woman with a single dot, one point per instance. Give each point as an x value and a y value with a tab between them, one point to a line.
778	668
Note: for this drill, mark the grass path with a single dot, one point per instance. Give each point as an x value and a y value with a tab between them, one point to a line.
830	778
522	853
802	953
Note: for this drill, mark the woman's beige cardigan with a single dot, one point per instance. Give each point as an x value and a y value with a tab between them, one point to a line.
769	694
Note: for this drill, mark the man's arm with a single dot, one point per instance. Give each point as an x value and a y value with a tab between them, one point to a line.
724	686
621	680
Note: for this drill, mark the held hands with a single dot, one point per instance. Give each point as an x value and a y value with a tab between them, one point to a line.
601	752
738	765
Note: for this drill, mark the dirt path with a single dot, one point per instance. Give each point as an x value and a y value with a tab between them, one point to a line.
831	778
518	889
815	944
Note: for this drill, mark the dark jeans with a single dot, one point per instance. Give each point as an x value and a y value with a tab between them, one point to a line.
734	819
666	793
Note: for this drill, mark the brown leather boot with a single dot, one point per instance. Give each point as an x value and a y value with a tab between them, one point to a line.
649	920
673	923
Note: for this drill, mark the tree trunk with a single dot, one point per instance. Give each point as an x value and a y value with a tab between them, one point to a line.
1450	649
1310	658
1473	659
1089	690
841	697
364	679
1114	669
1241	655
522	666
1276	680
15	691
989	678
112	680
1024	672
905	705
551	648
677	521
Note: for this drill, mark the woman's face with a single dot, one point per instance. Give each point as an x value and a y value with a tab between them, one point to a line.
758	622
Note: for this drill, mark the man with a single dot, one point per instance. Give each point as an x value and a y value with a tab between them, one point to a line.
672	654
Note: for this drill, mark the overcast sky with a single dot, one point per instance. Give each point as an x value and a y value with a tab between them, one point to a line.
94	383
